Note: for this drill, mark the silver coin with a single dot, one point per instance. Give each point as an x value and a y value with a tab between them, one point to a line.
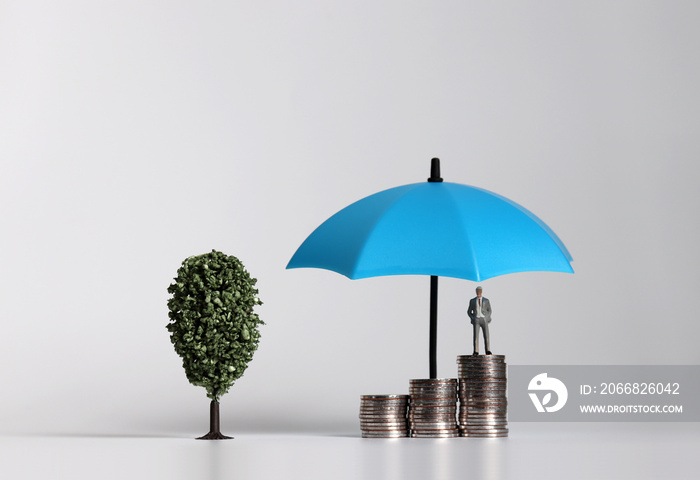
484	408
401	408
485	388
387	413
421	396
379	414
445	394
383	426
473	421
392	431
384	435
475	367
481	371
466	372
431	380
483	376
477	425
432	425
383	398
485	402
473	411
382	415
483	414
383	430
486	392
470	372
434	391
471	404
388	423
483	397
414	390
449	430
452	384
486	428
428	395
433	410
384	407
482	381
440	415
486	416
388	401
470	433
426	402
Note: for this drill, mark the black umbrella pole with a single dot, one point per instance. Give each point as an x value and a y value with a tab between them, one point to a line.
433	325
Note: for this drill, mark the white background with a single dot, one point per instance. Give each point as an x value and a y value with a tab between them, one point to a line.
136	133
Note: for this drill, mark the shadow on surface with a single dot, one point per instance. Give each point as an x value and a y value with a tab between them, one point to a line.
102	435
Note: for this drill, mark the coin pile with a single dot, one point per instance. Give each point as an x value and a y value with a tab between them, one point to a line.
433	408
483	407
383	416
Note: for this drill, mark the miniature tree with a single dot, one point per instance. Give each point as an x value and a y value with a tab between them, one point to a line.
212	324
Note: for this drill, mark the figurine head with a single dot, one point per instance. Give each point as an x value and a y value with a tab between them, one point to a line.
478	291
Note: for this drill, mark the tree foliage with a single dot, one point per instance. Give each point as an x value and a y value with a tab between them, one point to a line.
212	323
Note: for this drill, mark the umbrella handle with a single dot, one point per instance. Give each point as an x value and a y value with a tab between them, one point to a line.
433	325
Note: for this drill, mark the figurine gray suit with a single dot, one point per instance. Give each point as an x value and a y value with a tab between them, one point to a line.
479	312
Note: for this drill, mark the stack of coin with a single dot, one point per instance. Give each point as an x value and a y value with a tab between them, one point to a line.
383	416
433	408
483	408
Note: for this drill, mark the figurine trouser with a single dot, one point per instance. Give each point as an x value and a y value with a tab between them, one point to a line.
481	323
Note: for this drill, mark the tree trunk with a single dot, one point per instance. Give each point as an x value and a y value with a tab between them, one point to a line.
214	432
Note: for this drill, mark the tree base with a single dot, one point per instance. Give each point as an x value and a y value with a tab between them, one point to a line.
214	432
214	436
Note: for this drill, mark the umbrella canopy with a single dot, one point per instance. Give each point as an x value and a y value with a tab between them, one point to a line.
434	228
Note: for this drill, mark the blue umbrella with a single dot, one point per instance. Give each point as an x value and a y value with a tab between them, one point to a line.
433	228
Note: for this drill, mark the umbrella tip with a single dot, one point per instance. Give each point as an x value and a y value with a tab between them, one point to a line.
435	170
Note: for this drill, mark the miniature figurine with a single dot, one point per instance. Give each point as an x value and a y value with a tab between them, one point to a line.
213	326
480	314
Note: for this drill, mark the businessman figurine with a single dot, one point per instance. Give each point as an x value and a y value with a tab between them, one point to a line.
480	313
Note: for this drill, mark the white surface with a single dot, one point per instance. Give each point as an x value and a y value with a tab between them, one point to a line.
136	133
541	452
